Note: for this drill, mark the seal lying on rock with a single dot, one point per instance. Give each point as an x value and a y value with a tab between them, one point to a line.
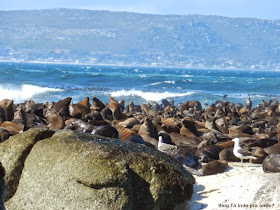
102	130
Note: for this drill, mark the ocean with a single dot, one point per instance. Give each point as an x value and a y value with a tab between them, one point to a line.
53	82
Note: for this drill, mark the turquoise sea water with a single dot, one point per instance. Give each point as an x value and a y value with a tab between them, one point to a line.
52	82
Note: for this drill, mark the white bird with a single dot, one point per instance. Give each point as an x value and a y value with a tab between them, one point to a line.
166	148
241	153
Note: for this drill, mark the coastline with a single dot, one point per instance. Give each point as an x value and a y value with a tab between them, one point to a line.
137	66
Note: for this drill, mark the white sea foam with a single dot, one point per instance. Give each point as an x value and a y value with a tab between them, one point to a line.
169	82
187	75
148	96
23	92
152	84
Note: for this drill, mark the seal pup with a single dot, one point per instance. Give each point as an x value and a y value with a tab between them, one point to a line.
241	153
214	167
271	163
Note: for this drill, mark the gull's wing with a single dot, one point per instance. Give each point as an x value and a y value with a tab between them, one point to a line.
244	152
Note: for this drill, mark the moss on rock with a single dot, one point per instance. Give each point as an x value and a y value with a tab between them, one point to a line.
73	170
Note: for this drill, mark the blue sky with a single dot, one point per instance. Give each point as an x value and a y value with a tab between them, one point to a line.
264	9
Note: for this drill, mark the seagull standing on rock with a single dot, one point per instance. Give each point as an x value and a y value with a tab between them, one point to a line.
241	153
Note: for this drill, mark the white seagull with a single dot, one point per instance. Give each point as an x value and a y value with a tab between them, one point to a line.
166	148
241	153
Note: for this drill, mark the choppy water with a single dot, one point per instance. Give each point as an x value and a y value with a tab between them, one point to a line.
52	82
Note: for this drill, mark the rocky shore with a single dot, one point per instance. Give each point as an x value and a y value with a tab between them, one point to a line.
125	156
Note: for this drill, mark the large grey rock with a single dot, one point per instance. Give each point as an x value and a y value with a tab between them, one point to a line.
13	153
74	170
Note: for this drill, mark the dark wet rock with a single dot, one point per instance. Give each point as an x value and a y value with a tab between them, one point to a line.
2	187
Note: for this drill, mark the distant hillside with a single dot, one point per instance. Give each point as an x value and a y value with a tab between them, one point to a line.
122	38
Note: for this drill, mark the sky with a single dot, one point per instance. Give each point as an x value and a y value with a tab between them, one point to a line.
262	9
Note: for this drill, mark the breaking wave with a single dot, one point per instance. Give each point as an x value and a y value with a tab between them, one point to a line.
23	92
148	96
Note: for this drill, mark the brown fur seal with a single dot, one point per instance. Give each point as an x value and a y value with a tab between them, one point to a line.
148	110
2	115
130	122
94	115
214	167
55	121
106	130
271	163
227	154
210	124
97	104
130	136
62	107
149	132
249	103
275	149
171	124
102	130
8	106
211	152
35	108
79	125
189	126
4	134
259	153
80	109
116	109
11	127
170	110
180	139
190	105
20	119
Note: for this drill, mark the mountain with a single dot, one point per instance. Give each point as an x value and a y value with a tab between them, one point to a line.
123	38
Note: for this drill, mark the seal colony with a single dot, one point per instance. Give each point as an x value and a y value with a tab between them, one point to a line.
201	139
